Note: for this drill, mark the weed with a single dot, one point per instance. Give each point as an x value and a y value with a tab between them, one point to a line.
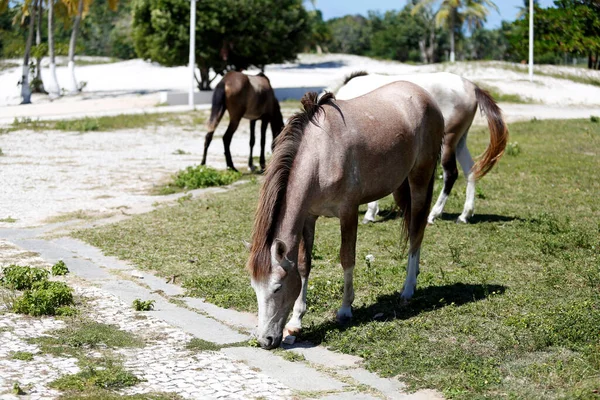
18	277
512	149
86	124
45	298
253	342
17	389
59	268
197	344
479	193
1	152
9	220
180	152
202	176
143	305
110	376
290	355
22	355
594	119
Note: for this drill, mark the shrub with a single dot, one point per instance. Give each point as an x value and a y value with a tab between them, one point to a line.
22	278
44	298
141	305
60	268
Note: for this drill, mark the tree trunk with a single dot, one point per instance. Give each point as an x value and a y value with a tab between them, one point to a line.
452	15
431	49
38	83
423	50
25	89
204	79
590	65
74	88
54	88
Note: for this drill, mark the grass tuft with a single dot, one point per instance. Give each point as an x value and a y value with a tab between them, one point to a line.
110	376
143	305
200	176
197	344
22	355
60	268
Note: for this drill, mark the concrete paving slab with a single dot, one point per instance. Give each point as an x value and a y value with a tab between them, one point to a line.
391	388
322	356
297	376
243	320
349	396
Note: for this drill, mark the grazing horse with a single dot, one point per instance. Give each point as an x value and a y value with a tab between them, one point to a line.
329	159
244	96
458	99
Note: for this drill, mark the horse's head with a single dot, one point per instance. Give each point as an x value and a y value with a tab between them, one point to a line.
276	293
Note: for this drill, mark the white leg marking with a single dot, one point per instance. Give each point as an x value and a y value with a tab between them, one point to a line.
438	208
295	323
372	211
466	162
411	275
345	311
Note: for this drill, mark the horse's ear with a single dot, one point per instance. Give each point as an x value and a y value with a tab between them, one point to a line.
278	251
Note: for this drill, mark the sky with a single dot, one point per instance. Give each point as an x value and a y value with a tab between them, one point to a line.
338	8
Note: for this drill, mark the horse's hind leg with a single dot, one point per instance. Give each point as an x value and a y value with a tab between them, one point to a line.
252	140
207	140
294	325
233	124
420	190
450	176
466	162
263	140
372	211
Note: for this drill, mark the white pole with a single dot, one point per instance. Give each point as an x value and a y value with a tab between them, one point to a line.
192	52
530	40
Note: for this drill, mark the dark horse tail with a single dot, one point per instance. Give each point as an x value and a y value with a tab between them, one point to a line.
498	133
218	106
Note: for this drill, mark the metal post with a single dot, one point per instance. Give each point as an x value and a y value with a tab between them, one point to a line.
192	52
530	40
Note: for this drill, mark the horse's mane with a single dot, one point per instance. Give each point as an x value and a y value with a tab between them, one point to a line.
275	184
353	75
264	76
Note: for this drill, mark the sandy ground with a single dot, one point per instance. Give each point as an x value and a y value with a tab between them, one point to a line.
49	174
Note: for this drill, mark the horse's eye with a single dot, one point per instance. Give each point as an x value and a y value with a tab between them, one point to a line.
277	290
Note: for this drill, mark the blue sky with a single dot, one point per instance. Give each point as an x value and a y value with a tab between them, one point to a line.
338	8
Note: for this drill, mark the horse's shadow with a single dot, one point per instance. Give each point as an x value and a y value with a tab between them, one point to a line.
391	307
480	218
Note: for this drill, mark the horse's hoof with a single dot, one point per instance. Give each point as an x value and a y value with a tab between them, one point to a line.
292	331
343	320
367	221
461	221
251	168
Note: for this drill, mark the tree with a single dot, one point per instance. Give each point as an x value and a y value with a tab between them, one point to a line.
452	14
37	83
28	8
259	32
350	34
53	88
396	35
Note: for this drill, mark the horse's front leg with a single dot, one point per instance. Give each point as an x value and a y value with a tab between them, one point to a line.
466	162
349	226
263	139
294	326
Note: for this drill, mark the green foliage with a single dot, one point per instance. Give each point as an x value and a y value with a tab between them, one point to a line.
141	305
257	33
197	344
17	389
111	376
60	268
18	277
512	149
22	355
45	298
202	176
595	119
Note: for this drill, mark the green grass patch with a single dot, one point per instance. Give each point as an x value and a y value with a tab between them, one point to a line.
197	344
22	355
290	355
9	220
110	123
110	375
143	305
199	176
99	394
506	307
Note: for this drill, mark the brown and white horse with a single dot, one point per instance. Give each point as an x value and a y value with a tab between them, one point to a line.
244	96
328	160
458	98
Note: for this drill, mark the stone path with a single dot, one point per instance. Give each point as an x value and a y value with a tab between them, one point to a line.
237	372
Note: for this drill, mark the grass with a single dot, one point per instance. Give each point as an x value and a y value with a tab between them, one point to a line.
9	220
197	177
506	307
197	344
110	123
22	355
143	305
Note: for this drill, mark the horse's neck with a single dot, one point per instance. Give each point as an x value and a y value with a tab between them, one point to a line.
294	209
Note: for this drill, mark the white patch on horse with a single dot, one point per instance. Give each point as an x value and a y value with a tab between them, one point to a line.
372	211
411	275
466	162
345	311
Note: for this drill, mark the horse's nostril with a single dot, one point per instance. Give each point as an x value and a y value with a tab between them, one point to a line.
269	340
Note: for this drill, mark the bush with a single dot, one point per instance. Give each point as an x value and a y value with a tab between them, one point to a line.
60	268
202	176
140	305
22	278
45	298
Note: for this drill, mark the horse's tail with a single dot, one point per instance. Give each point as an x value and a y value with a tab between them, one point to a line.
347	79
218	106
498	133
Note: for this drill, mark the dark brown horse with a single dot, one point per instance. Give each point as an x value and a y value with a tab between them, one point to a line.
329	159
244	96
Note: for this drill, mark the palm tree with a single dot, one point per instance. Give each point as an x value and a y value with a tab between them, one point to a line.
79	12
53	88
456	12
37	83
28	7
